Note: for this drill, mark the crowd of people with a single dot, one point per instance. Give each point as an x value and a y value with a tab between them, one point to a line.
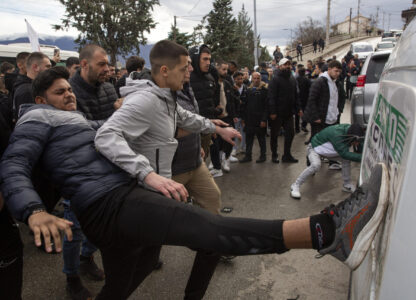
128	152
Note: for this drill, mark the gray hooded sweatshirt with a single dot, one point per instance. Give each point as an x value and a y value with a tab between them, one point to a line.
140	136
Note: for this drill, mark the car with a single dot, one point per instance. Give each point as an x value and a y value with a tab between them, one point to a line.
388	270
387	34
363	49
384	46
389	39
366	87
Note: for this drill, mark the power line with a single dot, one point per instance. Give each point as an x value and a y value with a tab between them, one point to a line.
196	4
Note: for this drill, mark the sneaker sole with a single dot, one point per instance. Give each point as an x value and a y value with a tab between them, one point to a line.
365	237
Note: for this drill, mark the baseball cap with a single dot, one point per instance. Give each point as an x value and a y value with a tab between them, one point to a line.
283	61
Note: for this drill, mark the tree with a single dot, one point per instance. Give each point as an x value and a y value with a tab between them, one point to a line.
197	36
221	29
245	36
307	31
264	54
117	26
181	37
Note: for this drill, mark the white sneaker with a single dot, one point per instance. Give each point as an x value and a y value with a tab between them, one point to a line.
234	152
335	166
294	191
222	155
210	166
226	165
233	159
216	173
349	188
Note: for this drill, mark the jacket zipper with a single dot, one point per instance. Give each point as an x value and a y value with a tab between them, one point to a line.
157	161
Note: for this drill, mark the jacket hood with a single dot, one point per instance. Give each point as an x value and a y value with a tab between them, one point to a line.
26	107
133	86
195	53
143	74
21	79
262	85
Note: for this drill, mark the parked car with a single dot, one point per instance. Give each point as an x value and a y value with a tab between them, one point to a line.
387	34
389	269
389	39
385	46
366	87
363	49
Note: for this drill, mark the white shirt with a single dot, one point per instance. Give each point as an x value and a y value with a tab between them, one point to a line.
332	114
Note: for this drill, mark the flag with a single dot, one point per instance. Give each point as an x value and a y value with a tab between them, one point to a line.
33	37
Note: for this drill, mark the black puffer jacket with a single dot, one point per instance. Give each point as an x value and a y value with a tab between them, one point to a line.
283	95
188	154
304	85
205	87
22	93
96	102
318	101
255	107
62	143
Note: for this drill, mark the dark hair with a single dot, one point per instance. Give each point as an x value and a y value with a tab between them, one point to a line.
204	49
134	63
88	52
5	66
355	133
233	63
237	73
21	57
46	78
301	71
320	65
263	64
300	66
219	62
335	64
166	53
35	57
72	61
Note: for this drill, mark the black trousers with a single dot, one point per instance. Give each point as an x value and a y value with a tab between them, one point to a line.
260	133
287	124
130	224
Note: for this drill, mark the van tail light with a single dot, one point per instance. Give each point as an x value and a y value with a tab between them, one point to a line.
361	81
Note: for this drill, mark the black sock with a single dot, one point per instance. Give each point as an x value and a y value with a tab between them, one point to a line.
322	231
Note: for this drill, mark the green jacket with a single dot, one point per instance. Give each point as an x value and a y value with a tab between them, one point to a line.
338	137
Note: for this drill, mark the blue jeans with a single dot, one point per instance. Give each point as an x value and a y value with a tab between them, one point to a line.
71	248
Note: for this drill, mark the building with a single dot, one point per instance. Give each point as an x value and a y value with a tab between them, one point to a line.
344	27
409	14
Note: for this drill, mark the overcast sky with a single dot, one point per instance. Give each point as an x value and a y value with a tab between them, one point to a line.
273	16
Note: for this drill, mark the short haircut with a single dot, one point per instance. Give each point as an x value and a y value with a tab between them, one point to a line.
300	66
166	53
6	66
335	64
301	71
46	78
233	63
237	73
134	63
21	57
88	52
35	57
320	65
220	62
204	49
72	61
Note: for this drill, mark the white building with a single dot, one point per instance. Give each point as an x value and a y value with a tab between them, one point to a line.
344	27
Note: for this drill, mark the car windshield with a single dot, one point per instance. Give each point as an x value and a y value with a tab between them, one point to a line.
385	45
363	48
375	68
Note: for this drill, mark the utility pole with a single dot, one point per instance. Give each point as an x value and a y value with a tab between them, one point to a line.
389	22
349	29
328	22
384	13
174	29
256	57
358	19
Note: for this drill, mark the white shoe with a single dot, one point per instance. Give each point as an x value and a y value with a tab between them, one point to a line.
216	173
222	155
349	188
335	166
210	166
226	165
234	152
233	159
294	191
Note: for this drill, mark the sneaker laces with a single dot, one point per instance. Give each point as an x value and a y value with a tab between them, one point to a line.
336	209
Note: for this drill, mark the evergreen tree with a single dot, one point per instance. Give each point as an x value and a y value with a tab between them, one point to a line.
221	31
245	35
182	38
197	36
117	26
264	54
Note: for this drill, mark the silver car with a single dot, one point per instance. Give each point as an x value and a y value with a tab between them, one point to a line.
366	87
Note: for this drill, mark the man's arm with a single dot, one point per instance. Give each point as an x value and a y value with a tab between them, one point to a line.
312	106
272	95
343	150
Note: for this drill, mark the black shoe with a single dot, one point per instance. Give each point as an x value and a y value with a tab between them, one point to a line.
304	129
275	159
158	265
76	290
88	267
245	159
261	159
297	130
226	258
289	159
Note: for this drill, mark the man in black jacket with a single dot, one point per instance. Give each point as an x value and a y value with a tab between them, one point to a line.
35	63
254	115
135	69
283	104
304	85
96	98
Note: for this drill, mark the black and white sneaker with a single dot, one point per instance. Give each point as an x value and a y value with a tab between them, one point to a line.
356	219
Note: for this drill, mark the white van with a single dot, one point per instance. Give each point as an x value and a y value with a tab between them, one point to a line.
389	269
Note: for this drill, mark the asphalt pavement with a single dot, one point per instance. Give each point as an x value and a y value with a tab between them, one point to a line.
252	190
